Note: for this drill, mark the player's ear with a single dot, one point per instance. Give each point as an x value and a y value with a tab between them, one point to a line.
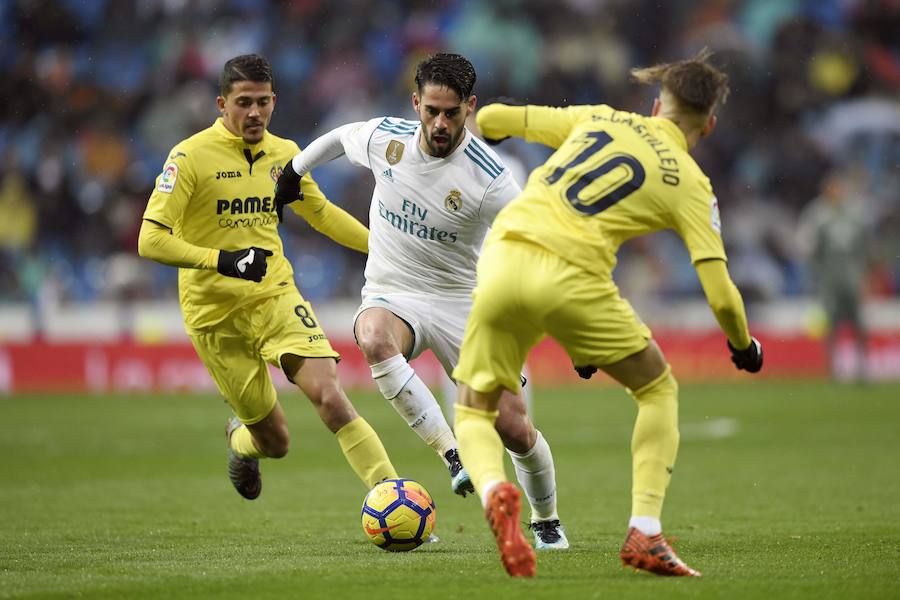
472	124
710	125
220	103
657	105
472	103
415	101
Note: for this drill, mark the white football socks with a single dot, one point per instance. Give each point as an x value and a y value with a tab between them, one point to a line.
535	472
412	399
646	525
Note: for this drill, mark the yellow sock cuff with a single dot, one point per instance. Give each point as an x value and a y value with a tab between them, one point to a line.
242	443
480	447
364	451
649	386
353	433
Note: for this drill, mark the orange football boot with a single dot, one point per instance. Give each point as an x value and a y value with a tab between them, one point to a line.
502	513
653	554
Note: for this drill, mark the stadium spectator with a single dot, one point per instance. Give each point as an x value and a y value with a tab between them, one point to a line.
837	237
70	64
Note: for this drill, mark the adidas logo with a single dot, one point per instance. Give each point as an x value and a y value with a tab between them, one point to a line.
388	175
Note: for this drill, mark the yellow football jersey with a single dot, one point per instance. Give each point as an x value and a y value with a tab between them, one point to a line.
615	175
216	191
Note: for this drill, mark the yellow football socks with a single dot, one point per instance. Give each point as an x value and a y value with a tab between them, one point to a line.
242	443
480	448
364	451
654	443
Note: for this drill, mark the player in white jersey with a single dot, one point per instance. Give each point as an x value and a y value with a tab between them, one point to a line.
437	190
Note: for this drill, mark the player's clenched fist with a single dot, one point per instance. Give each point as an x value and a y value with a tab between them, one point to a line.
749	359
249	263
287	189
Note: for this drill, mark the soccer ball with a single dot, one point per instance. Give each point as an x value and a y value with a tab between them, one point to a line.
398	515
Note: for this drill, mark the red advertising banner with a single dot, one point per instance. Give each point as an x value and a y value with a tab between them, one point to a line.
130	366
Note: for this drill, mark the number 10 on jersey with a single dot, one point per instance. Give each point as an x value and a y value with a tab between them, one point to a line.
632	176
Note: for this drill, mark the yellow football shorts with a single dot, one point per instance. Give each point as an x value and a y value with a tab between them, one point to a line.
523	293
237	350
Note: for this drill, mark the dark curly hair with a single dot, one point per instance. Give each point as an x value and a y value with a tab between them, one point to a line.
247	67
450	70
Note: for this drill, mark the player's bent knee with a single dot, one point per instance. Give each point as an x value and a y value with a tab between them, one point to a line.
376	346
480	400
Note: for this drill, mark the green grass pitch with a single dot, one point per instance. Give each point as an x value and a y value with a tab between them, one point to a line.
782	490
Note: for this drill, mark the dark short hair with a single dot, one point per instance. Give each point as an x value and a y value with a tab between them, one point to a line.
450	70
247	67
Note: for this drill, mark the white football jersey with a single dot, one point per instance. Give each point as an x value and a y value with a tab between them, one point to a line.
429	216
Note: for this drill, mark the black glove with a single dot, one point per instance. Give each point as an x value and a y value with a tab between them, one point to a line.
750	358
249	263
586	372
287	189
492	141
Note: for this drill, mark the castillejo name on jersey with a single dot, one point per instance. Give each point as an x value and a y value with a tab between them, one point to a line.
668	163
409	220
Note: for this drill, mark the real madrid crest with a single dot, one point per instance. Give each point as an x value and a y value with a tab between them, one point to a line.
453	201
394	152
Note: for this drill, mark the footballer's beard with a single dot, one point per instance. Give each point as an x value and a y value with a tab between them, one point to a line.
447	145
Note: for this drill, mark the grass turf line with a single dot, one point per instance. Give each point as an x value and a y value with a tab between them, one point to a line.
782	490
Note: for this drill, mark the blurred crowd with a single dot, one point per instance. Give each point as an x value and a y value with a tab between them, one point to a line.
96	92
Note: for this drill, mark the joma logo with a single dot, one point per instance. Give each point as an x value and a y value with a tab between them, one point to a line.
227	174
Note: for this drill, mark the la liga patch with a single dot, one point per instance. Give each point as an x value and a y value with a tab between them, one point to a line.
168	178
715	219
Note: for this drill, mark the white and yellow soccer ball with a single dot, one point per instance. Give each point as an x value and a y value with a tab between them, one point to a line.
398	515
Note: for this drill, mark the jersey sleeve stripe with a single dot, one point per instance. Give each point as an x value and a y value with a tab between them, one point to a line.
476	147
401	125
397	131
481	164
397	128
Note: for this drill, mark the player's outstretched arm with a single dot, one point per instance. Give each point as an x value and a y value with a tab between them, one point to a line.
156	242
548	125
321	150
728	307
498	121
323	216
333	221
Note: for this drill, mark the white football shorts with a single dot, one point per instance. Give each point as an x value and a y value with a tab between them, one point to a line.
437	323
